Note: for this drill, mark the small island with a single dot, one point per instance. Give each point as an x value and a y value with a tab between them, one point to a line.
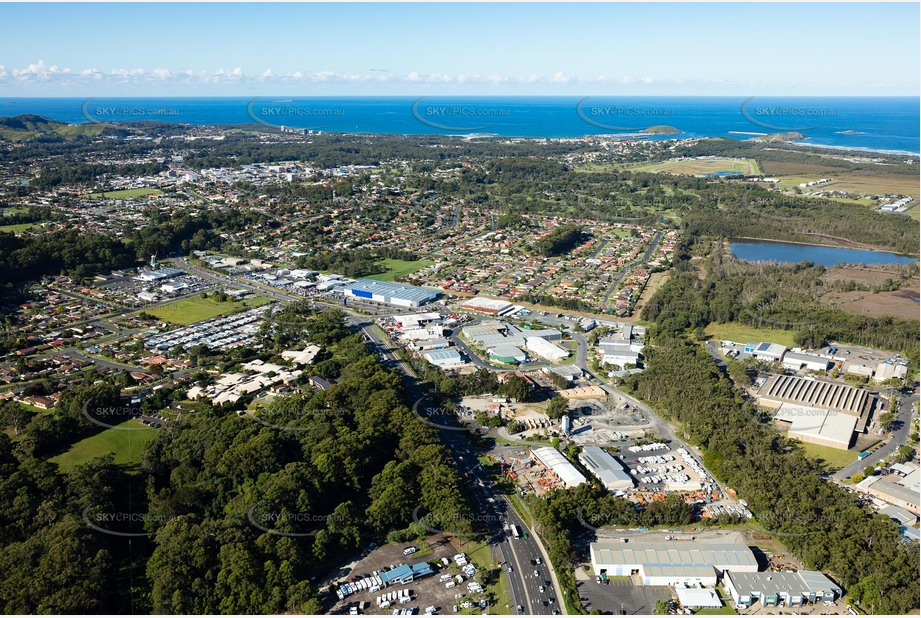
791	136
661	129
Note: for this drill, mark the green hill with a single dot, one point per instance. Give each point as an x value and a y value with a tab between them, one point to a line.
31	126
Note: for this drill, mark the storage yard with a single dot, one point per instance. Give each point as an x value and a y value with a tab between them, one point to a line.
413	577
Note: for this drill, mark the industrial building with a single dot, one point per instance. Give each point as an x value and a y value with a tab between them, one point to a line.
890	371
482	304
818	394
794	361
770	352
893	493
817	426
444	358
507	354
554	460
158	275
672	563
605	468
389	292
550	334
545	349
780	588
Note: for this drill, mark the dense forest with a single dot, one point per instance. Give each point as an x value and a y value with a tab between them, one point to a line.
561	240
325	472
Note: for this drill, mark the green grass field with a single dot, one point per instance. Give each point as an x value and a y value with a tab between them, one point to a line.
740	333
400	268
17	227
124	194
701	166
127	445
834	458
195	309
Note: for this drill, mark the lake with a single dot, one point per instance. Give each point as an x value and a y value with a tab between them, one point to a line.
769	251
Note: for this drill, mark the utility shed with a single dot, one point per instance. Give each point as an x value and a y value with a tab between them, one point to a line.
698	598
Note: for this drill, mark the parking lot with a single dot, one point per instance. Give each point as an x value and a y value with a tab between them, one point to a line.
620	597
426	592
664	469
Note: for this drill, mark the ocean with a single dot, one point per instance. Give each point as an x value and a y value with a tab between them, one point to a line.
882	124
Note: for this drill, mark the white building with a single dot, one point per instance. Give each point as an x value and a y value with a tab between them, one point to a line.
889	371
795	361
554	460
545	349
765	351
302	357
444	358
606	468
672	563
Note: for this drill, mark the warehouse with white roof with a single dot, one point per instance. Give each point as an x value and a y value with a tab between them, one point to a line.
545	349
672	563
554	460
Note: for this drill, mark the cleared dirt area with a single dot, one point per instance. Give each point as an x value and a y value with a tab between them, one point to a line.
901	303
656	281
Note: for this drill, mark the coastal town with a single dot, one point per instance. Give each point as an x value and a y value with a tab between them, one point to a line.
516	401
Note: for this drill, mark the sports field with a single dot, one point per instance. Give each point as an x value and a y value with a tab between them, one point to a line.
16	227
741	333
694	167
195	309
125	194
127	443
400	268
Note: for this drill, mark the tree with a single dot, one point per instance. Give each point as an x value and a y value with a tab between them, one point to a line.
517	388
558	408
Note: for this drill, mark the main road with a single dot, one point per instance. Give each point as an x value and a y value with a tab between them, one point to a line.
519	558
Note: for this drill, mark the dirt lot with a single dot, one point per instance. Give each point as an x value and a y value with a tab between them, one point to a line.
425	592
901	303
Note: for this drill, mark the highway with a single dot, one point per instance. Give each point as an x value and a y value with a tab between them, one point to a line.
491	506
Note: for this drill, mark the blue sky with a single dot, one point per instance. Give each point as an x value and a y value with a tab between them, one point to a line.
476	49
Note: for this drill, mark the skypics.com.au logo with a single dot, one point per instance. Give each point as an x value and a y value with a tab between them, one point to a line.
290	523
469	117
785	118
101	112
122	523
622	118
291	114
